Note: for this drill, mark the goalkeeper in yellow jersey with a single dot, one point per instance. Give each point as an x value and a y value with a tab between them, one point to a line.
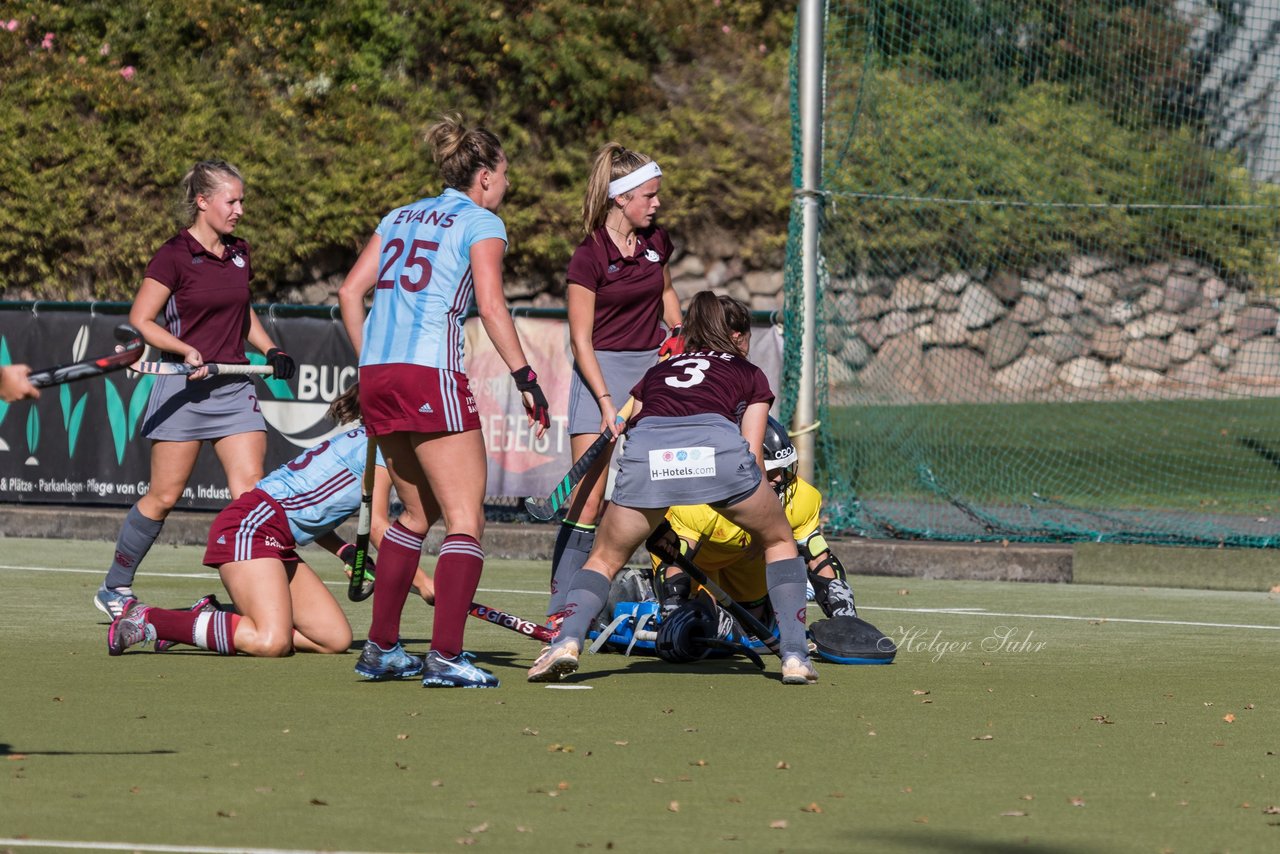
731	560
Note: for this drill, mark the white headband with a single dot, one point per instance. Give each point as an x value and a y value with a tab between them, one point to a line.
634	179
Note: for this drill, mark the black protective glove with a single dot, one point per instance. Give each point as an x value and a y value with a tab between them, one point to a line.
282	364
527	381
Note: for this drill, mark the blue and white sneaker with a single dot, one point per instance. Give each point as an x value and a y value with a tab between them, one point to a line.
456	672
207	602
130	628
112	601
377	663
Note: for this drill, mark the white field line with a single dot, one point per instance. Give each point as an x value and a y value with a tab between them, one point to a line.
956	611
185	849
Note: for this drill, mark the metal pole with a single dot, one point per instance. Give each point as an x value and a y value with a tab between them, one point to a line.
811	62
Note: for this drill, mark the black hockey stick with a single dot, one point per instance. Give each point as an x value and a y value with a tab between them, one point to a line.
128	351
544	509
659	545
358	589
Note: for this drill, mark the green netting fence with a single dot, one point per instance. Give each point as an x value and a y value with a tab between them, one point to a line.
1049	279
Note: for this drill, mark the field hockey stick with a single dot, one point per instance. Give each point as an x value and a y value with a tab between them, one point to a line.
215	368
544	509
128	351
358	589
519	625
744	617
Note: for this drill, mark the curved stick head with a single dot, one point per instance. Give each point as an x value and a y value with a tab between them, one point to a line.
539	508
125	333
362	592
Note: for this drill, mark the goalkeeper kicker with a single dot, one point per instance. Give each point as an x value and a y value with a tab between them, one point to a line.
730	559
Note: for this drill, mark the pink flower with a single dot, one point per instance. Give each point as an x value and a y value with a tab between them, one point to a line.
725	29
127	72
105	49
47	44
11	24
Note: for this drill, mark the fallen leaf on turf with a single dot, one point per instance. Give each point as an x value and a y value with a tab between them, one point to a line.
684	778
674	806
402	767
779	824
904	592
1246	806
701	763
1271	811
404	736
622	743
814	808
435	784
16	757
734	799
983	737
528	731
1229	718
659	780
133	790
316	802
1028	797
924	819
1013	813
226	813
563	785
906	790
1076	802
264	790
1102	719
667	711
479	828
691	729
520	828
466	840
917	692
783	766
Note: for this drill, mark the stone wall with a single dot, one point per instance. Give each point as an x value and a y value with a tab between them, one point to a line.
1093	330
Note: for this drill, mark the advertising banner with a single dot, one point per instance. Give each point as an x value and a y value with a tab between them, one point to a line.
79	444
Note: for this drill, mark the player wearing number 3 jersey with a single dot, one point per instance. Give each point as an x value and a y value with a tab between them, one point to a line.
424	265
696	437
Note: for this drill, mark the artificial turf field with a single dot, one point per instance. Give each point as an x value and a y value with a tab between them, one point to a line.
1017	717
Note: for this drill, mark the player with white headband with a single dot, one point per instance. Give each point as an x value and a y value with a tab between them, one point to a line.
620	299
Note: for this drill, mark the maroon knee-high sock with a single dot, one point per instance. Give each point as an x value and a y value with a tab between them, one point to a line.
215	630
457	577
398	558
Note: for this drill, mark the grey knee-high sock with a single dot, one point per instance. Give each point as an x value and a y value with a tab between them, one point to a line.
573	546
583	601
786	592
136	536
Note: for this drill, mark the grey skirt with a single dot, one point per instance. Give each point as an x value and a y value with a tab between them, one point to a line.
700	459
182	411
622	369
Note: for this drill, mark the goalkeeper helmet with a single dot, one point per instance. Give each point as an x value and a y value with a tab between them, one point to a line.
779	456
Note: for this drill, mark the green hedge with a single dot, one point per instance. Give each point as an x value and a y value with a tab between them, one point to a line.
323	105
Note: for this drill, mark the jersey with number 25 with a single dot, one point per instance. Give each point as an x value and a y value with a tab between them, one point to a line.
425	284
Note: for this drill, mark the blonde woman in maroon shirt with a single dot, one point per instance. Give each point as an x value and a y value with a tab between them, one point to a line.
621	307
194	307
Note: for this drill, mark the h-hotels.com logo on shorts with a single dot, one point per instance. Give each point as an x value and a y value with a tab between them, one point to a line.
674	463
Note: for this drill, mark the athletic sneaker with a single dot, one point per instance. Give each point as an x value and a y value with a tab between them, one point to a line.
208	602
556	661
798	671
130	628
457	672
377	663
113	600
